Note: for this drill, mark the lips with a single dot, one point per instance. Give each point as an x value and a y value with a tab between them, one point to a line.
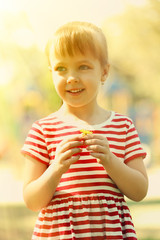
74	91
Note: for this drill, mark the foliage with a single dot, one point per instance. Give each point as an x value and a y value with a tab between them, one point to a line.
26	88
133	39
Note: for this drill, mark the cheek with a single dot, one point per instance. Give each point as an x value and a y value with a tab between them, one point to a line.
58	87
58	81
94	83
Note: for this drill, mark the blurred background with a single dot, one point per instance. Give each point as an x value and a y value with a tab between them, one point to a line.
132	28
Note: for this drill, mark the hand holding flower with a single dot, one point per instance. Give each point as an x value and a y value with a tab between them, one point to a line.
98	147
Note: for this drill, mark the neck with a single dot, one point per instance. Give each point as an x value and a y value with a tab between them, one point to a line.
89	115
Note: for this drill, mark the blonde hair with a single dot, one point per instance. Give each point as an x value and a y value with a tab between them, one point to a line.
76	37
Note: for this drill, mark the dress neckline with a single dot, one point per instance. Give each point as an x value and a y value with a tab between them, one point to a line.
84	125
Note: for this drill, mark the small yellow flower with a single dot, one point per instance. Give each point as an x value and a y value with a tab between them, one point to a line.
85	132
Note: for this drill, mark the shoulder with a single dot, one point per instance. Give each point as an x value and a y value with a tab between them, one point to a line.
48	120
122	119
48	123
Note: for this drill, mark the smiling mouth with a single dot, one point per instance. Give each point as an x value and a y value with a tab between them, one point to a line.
75	90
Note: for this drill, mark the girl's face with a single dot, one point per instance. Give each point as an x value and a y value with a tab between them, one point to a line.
77	78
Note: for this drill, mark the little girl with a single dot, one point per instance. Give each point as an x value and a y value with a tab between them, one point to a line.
78	182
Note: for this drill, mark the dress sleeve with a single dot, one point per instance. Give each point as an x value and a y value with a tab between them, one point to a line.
133	147
35	144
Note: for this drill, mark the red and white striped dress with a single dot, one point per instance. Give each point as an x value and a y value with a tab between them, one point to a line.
87	204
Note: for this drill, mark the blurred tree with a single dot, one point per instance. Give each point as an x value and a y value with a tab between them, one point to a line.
26	89
23	69
134	51
134	47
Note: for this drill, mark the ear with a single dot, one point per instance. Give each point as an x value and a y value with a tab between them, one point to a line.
105	72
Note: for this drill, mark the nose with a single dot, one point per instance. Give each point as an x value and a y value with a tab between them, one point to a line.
72	78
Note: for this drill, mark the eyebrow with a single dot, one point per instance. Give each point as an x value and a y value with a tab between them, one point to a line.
65	63
59	63
84	61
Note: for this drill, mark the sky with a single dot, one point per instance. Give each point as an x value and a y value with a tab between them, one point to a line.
46	16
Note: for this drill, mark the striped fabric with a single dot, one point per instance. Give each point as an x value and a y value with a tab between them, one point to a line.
87	204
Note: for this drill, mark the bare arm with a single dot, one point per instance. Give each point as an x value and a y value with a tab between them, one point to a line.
130	178
40	182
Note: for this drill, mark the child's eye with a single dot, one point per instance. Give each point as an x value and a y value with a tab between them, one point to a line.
61	69
84	67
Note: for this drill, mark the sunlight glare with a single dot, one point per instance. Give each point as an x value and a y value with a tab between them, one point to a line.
24	37
6	72
46	16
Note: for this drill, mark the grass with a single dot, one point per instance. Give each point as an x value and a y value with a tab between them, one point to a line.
16	222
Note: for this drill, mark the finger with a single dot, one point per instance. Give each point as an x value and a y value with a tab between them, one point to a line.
72	160
94	136
98	136
97	148
69	153
98	155
76	137
70	139
94	142
70	145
